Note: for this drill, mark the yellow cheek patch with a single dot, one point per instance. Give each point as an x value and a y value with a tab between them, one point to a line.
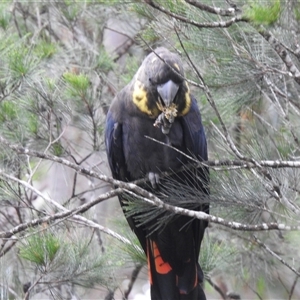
139	97
188	102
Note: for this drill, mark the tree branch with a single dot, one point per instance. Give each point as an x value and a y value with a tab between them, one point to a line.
221	24
282	52
261	244
132	188
293	287
133	278
216	287
66	213
214	10
271	186
153	200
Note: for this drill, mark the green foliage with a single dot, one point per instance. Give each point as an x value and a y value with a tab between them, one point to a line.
58	149
134	249
105	61
21	62
150	35
142	10
33	123
48	88
132	64
263	14
297	12
82	262
45	49
73	258
40	248
261	285
216	255
56	75
5	16
8	111
77	83
17	62
50	84
70	9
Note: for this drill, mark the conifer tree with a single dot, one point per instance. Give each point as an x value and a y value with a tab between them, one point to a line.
61	63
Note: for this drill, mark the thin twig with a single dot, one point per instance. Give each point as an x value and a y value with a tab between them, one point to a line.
282	52
262	173
211	9
150	198
216	287
211	163
32	286
146	196
293	287
222	24
153	200
133	278
66	213
264	246
10	290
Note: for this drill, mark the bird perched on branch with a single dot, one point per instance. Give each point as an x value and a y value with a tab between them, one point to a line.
157	103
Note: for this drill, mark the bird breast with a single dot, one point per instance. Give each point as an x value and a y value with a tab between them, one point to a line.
149	155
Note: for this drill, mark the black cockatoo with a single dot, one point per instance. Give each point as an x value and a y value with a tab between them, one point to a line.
157	103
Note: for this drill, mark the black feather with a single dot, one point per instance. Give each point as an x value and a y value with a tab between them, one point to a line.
176	242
